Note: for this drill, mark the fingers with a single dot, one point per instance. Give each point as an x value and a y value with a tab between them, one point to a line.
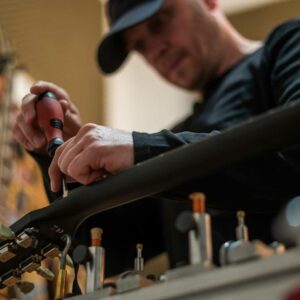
70	150
28	108
28	136
54	171
26	130
65	105
44	86
94	152
62	96
72	159
81	170
72	118
28	102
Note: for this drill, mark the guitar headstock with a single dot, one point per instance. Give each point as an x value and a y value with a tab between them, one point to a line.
26	250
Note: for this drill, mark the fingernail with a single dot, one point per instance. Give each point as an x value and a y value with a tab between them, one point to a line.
52	186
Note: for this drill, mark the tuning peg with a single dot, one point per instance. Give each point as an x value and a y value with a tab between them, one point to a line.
45	273
25	239
69	261
139	260
25	286
31	264
7	252
11	278
6	233
241	229
50	251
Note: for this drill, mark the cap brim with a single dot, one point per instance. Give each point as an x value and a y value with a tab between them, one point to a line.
112	50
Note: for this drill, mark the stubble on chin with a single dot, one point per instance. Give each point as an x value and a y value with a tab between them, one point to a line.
186	81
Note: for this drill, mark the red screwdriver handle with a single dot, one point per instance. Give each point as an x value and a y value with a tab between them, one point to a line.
50	118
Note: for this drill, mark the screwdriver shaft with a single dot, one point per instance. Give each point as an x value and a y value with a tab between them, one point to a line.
64	188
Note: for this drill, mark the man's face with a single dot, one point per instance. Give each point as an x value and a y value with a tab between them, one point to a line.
179	42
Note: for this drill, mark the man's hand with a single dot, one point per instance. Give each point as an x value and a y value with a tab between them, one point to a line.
94	152
25	128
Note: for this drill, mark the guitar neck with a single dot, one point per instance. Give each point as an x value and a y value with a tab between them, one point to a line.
190	162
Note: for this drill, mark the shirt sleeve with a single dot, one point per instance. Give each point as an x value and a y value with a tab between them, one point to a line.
283	56
148	145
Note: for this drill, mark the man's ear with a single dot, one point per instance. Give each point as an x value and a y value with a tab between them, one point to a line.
211	4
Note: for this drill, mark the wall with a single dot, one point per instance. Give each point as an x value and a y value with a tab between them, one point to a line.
136	98
257	23
56	41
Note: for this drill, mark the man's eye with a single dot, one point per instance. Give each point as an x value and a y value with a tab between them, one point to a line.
139	46
159	23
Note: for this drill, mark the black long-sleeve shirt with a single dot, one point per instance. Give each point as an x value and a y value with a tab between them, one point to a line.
268	78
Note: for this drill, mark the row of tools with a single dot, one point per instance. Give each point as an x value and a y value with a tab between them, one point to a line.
195	223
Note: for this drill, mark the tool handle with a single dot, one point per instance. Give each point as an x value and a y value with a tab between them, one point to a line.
50	118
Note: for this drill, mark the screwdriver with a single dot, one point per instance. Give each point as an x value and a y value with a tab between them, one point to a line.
203	225
50	118
95	267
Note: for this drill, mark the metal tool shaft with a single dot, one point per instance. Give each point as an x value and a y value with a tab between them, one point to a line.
139	260
95	267
62	275
241	230
203	229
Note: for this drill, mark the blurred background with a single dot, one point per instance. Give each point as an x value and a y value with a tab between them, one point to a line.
57	41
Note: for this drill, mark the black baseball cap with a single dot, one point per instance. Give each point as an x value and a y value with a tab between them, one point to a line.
122	14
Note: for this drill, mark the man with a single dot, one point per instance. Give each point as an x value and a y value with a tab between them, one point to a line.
191	44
